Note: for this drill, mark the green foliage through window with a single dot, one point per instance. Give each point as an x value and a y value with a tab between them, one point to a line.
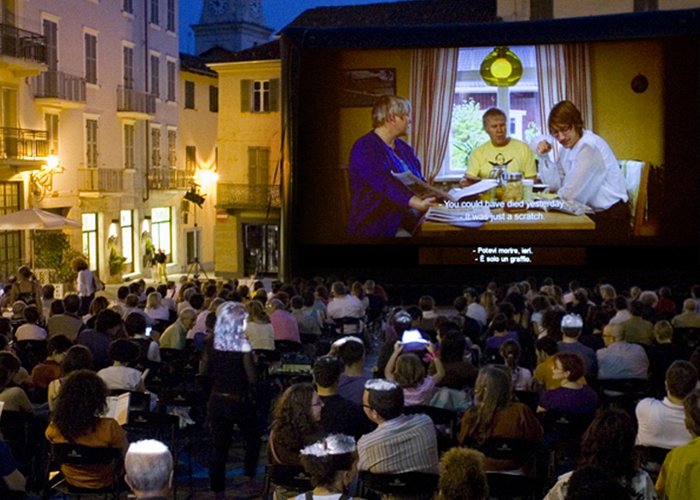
467	133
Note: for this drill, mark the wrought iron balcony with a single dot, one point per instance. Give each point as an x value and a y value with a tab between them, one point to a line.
104	180
164	178
248	196
23	144
22	44
60	88
135	103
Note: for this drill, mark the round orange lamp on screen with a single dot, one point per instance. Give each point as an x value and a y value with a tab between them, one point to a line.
501	68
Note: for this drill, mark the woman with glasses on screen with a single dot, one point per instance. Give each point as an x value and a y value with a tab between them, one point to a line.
587	170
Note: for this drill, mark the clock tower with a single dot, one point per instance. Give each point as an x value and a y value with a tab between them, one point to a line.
232	24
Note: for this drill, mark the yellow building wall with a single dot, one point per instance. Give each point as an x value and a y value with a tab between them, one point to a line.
633	124
226	246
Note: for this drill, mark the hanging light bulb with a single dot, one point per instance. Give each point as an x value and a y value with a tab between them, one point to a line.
501	68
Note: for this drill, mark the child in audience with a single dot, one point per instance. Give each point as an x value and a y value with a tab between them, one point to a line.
409	372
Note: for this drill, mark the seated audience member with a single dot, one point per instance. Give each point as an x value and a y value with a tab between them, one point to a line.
351	352
689	317
408	371
149	350
462	475
608	444
120	375
98	305
83	398
296	423
571	396
665	307
13	482
551	323
108	327
661	354
47	298
344	304
522	377
427	307
258	330
30	330
308	324
17	317
331	465
637	329
155	308
592	483
460	373
571	327
592	335
680	472
175	336
50	369
469	326
119	305
400	443
546	348
495	415
622	312
498	334
68	323
649	300
78	357
661	423
475	309
13	397
284	325
338	415
620	359
148	469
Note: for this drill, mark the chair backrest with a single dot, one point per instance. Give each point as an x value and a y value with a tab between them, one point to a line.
78	454
347	326
508	486
636	174
293	477
404	484
516	450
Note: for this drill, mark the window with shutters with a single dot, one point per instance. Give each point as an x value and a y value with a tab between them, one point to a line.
172	78
172	148
51	123
155	75
170	21
129	134
91	143
155	146
154	12
128	66
90	57
50	31
190	161
260	96
189	94
258	159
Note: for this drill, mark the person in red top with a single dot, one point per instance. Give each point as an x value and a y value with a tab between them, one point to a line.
50	368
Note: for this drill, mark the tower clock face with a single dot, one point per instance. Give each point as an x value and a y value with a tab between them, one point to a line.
218	7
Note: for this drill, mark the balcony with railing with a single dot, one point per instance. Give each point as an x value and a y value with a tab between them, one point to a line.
59	89
21	51
135	104
248	196
164	178
23	147
100	180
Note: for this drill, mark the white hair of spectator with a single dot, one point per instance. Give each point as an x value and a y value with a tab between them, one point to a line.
335	444
231	320
380	384
148	465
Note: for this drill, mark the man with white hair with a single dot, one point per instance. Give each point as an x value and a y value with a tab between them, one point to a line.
175	336
620	359
148	467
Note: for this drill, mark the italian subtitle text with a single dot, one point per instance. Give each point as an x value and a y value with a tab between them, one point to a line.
503	255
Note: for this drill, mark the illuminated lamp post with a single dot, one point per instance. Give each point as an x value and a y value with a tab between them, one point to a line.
501	68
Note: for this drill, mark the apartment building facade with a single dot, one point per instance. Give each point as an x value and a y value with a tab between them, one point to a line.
104	105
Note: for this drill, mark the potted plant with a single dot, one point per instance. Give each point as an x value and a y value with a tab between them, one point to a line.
116	262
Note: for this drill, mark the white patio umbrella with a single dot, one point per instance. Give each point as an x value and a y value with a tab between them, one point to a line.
34	219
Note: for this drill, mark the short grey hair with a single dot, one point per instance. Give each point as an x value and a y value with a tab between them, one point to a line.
148	465
387	106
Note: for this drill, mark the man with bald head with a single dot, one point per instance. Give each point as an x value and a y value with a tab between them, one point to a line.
620	359
148	468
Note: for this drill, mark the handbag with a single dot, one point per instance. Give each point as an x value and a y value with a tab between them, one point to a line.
97	283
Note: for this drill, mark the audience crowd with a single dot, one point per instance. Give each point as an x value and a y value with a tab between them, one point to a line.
577	390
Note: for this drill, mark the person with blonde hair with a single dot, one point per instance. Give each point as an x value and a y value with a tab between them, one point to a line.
381	205
462	475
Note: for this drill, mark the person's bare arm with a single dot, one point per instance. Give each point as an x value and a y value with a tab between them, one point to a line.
389	369
420	204
439	367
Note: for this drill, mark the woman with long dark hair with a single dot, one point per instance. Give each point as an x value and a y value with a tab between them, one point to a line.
229	362
608	445
81	401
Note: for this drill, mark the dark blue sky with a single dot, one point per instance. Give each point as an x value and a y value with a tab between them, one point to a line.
278	13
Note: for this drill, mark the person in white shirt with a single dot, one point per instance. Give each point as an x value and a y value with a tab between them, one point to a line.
662	422
344	305
30	330
120	375
587	170
474	309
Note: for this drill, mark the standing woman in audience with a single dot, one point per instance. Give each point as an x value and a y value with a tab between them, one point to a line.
496	415
608	444
295	424
26	288
86	284
83	398
229	363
